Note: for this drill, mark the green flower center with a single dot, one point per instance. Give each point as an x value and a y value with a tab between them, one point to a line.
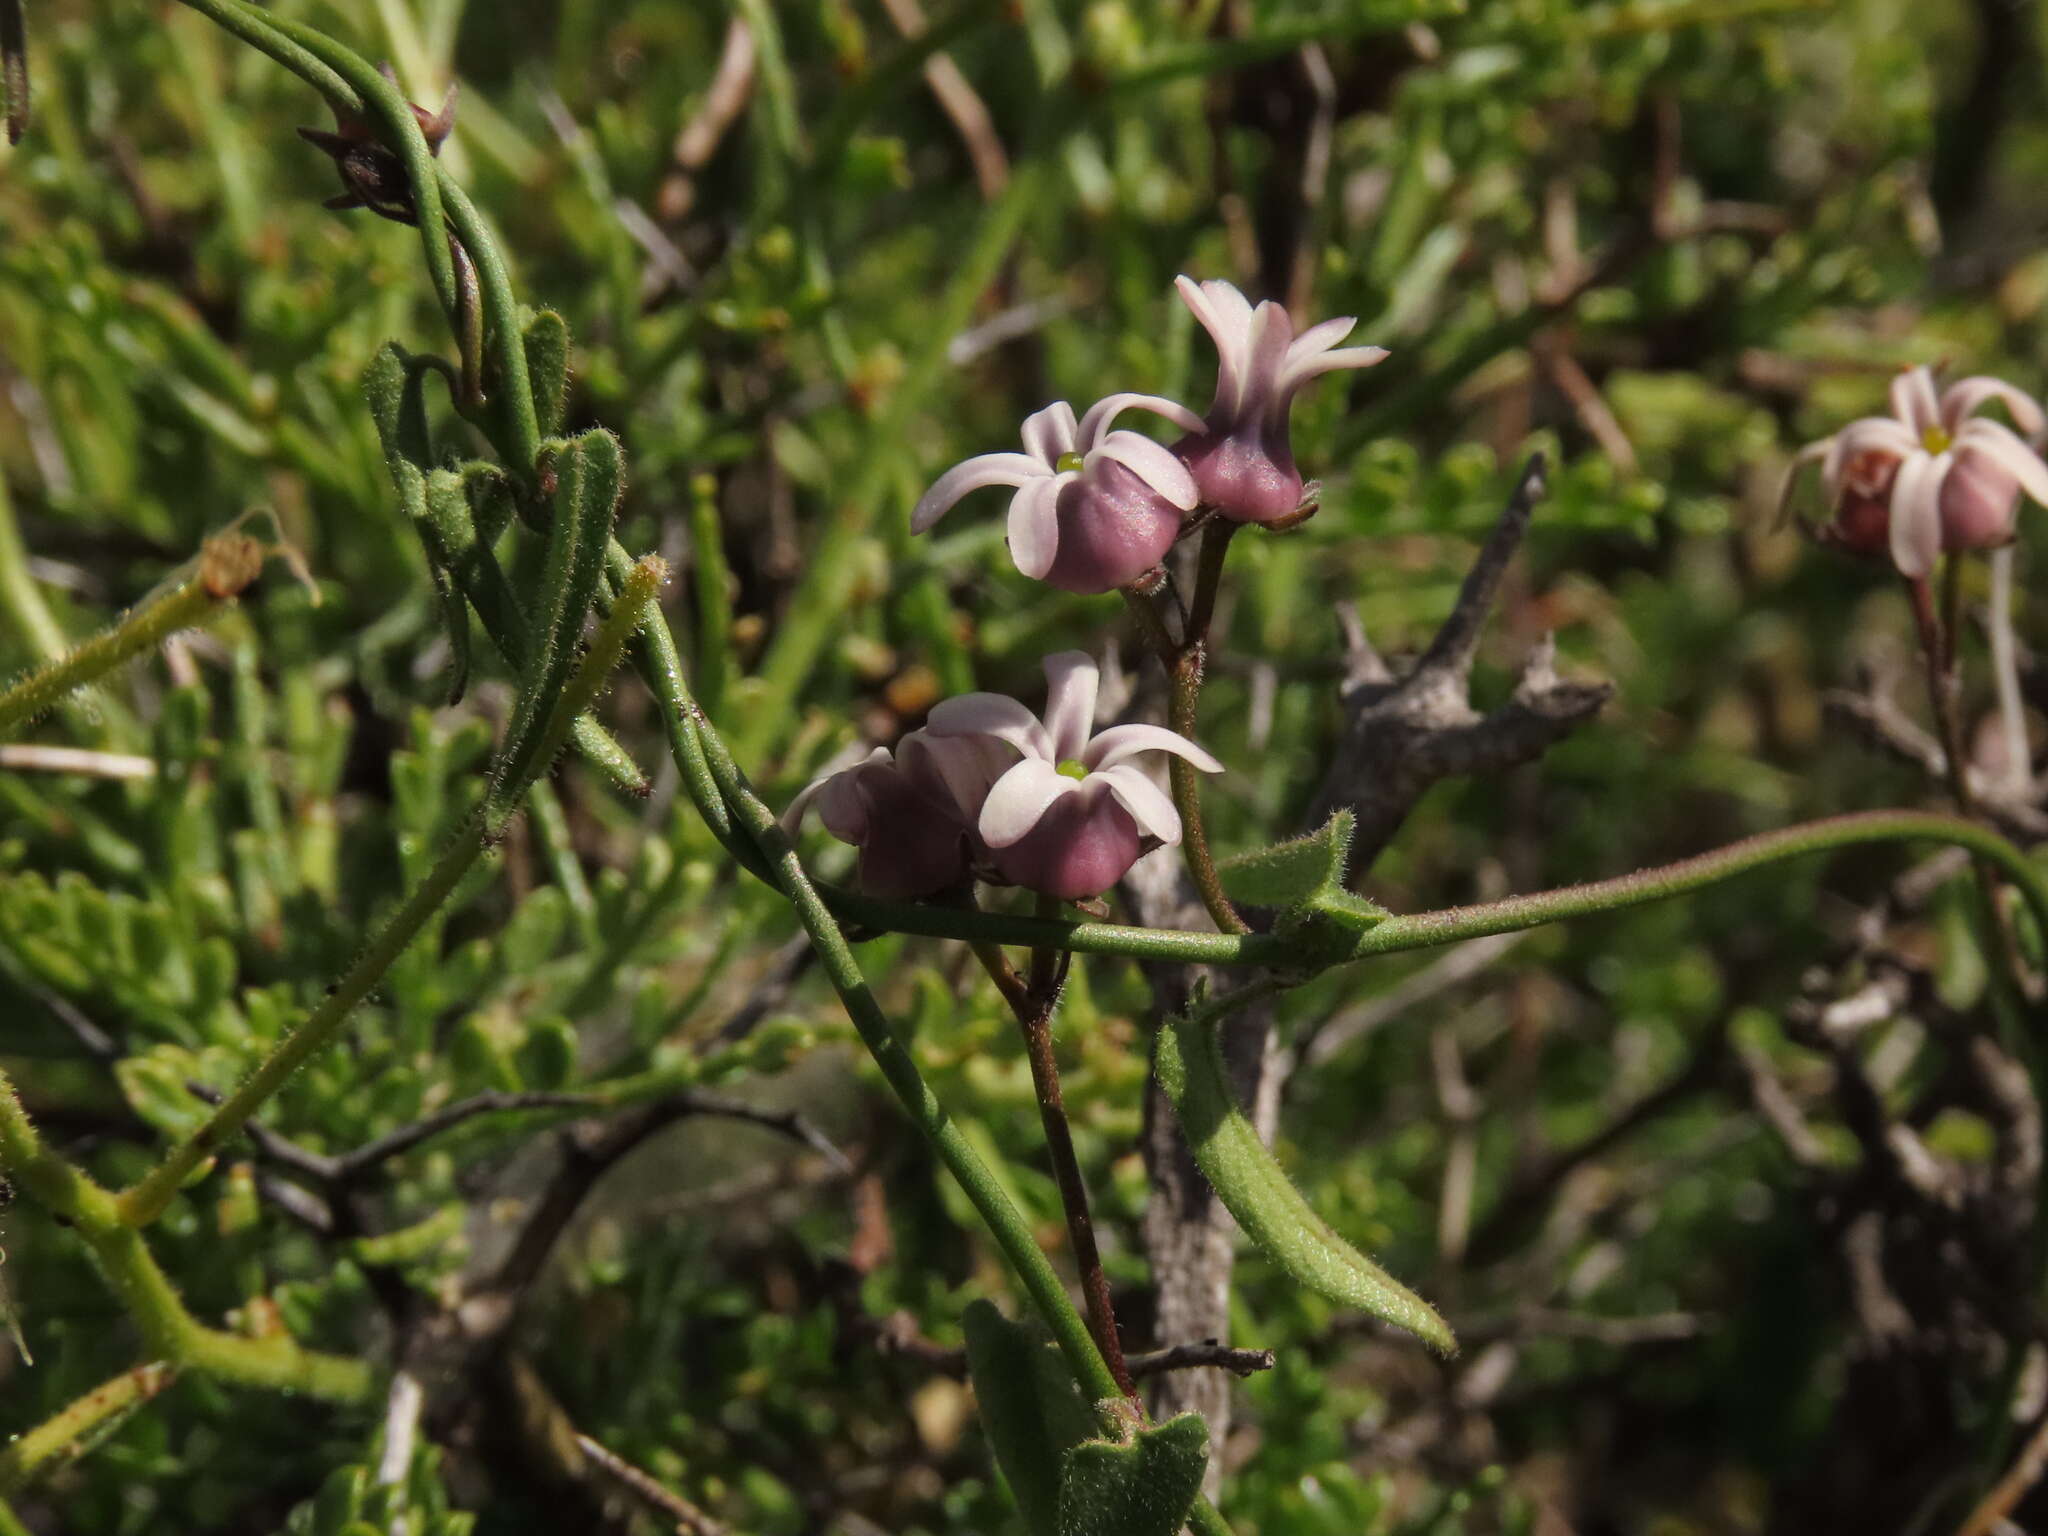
1067	464
1073	769
1936	439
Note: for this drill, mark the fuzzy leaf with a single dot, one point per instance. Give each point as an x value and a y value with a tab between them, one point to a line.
1143	1487
1290	873
547	368
1029	1408
1252	1185
589	475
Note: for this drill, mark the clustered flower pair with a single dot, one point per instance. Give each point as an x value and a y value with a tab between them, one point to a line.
1932	478
987	789
1096	509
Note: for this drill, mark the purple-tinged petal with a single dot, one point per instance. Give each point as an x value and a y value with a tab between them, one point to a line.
972	475
793	814
1019	798
1109	407
1113	528
1964	398
1153	463
1071	680
2003	448
1121	743
843	802
1150	806
1049	433
1913	400
959	769
1082	844
1916	513
991	714
1034	526
1871	437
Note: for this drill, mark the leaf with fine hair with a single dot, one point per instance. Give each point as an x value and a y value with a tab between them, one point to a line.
547	368
1257	1191
1142	1487
1029	1409
589	475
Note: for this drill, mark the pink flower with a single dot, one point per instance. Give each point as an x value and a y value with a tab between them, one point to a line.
1094	509
1073	814
911	815
1931	478
1242	461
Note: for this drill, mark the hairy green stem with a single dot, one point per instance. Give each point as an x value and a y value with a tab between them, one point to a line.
512	389
187	604
63	1433
1423	930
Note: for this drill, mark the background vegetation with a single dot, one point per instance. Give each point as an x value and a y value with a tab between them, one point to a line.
1663	241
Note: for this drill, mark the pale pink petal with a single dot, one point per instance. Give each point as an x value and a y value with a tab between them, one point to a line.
1152	463
990	714
1120	743
1296	374
843	802
1019	798
1227	318
1271	330
1070	685
1150	806
1319	337
1034	527
1913	399
1964	398
1916	513
1050	433
1109	407
1998	444
972	475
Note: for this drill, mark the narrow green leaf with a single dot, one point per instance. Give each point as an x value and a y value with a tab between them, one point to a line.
547	368
1029	1407
1143	1487
588	474
1259	1194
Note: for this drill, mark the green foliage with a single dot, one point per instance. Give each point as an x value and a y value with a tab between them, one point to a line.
1258	1192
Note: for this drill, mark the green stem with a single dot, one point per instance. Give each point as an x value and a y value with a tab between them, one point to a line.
255	29
19	595
61	1433
505	336
1423	930
744	809
183	606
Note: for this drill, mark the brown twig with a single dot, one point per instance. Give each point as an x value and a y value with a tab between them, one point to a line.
1034	1001
961	103
689	1519
732	82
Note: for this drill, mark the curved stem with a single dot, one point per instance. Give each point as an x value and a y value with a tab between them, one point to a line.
1423	930
61	1433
